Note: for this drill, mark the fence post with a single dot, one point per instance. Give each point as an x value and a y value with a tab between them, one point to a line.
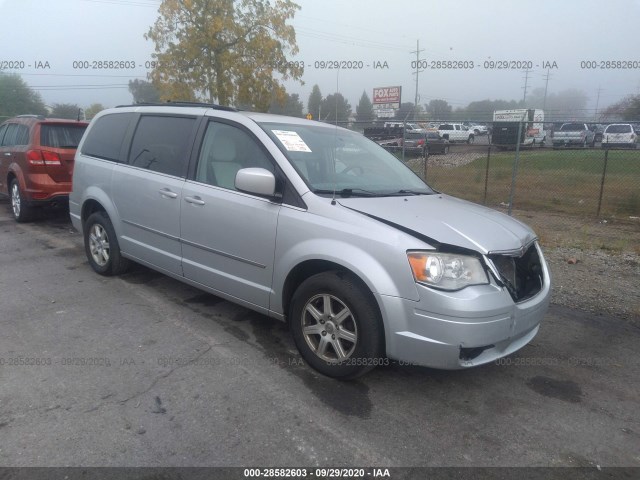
515	168
426	160
404	136
604	174
486	176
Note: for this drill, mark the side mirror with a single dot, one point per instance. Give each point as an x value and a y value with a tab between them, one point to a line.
257	181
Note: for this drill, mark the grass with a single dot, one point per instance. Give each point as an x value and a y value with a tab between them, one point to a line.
563	181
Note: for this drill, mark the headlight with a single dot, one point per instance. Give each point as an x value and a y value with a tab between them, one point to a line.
446	271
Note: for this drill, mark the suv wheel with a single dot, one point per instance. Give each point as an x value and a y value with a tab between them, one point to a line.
336	325
470	139
101	246
21	211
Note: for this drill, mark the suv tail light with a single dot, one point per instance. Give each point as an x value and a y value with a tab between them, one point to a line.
43	157
421	142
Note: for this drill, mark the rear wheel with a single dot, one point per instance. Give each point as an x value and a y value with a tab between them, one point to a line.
470	139
101	246
336	325
21	211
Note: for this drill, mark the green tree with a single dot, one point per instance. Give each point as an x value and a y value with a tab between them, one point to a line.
223	51
406	111
314	103
16	98
290	105
143	91
438	109
66	110
482	110
335	108
626	109
92	110
564	105
364	110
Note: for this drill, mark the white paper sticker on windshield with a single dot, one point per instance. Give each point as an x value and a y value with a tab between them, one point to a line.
291	141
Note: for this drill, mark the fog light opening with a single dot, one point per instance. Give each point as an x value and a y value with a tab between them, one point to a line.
467	354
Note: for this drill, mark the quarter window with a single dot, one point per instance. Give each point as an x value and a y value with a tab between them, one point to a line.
106	136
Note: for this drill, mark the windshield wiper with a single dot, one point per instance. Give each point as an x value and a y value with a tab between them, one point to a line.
413	192
350	192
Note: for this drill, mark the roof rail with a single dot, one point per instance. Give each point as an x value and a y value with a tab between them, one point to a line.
181	104
41	117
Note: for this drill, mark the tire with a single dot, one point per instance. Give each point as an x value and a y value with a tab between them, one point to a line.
101	246
336	325
21	211
446	150
470	139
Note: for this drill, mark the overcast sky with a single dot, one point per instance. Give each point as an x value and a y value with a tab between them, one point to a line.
566	32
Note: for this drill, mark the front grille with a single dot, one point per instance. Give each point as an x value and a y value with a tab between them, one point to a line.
522	276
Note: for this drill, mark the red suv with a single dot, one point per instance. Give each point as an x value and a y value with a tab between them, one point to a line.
36	161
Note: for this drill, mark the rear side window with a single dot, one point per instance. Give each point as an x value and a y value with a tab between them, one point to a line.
106	136
161	143
15	135
61	136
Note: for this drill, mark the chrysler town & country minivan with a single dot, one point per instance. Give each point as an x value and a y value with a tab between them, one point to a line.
311	224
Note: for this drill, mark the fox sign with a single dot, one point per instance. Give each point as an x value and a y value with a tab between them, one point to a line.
386	95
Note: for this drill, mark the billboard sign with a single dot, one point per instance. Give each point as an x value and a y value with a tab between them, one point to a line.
385	98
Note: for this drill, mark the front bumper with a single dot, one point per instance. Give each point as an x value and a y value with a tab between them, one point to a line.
454	330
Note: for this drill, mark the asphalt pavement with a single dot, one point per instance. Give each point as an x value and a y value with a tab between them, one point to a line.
142	370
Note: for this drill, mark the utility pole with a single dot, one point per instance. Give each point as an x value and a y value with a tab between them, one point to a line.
595	115
417	74
526	82
546	87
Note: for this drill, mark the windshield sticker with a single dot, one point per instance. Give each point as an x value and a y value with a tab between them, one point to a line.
291	141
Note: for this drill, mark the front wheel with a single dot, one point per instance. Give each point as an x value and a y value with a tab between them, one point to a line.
470	139
101	246
336	325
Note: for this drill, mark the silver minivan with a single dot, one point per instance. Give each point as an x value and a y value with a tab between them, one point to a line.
311	224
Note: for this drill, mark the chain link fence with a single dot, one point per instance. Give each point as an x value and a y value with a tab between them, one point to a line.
591	181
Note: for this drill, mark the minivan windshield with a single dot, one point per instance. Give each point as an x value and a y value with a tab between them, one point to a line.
335	159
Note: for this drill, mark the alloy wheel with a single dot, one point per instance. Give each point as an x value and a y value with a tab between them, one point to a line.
329	328
99	244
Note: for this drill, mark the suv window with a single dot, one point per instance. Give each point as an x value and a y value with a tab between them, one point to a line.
225	150
3	129
619	129
445	127
106	136
61	136
160	144
16	135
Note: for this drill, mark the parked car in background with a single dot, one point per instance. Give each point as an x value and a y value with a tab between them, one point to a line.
425	142
456	132
573	134
36	161
619	135
311	224
436	144
477	128
598	131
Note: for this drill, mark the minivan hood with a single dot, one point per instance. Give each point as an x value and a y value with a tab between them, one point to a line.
447	220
